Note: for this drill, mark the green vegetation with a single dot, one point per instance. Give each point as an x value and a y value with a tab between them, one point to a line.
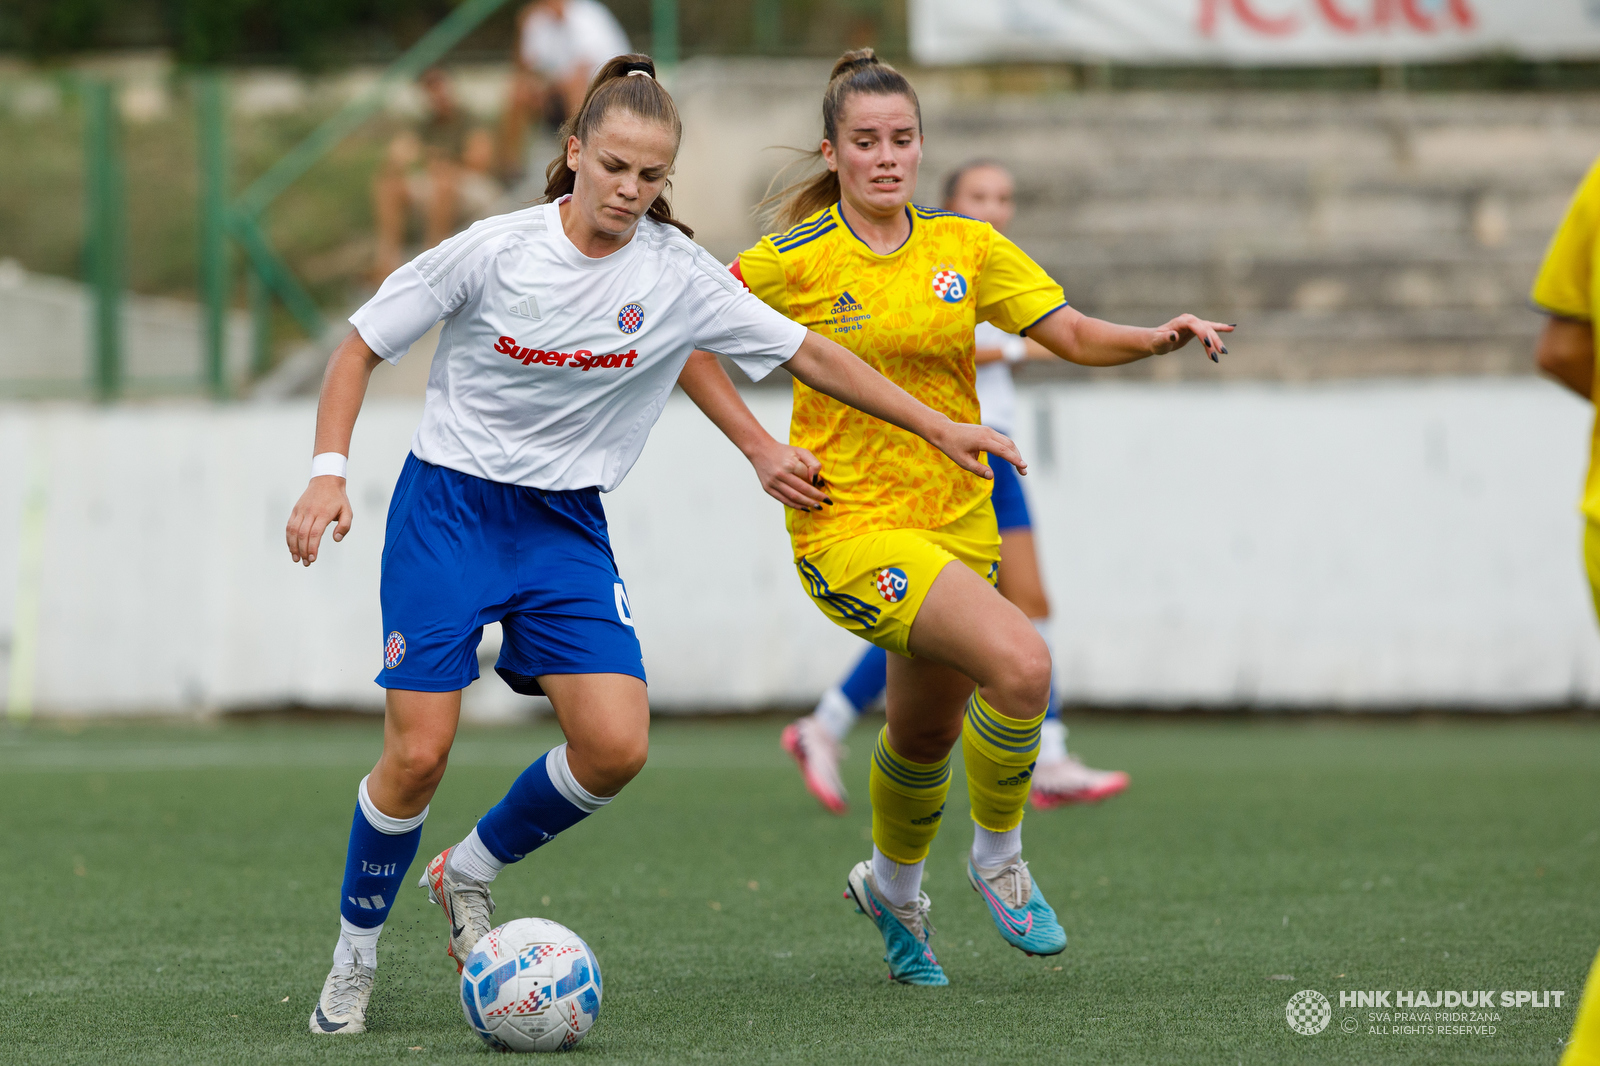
322	225
170	897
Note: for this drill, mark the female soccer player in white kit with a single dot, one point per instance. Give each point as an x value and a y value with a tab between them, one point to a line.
566	327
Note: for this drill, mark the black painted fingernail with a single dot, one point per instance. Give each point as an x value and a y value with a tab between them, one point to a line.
1224	349
1213	357
826	500
1233	325
1206	341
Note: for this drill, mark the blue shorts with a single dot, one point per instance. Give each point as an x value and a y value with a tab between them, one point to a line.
461	551
1010	505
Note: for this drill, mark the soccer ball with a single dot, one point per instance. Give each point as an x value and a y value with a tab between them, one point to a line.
531	985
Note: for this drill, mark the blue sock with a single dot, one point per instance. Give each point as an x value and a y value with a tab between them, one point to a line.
868	680
380	853
543	801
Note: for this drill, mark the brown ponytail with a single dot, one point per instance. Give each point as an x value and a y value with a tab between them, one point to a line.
860	72
615	86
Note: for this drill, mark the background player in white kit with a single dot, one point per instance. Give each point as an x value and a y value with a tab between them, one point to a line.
984	190
566	326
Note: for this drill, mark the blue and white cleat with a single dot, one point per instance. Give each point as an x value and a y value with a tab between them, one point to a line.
905	931
1018	908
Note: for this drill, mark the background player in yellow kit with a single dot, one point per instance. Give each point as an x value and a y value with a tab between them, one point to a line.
1568	289
904	287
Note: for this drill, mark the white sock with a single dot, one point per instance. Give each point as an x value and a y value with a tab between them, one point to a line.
835	713
555	765
473	860
1042	627
353	938
992	850
1053	740
898	883
384	823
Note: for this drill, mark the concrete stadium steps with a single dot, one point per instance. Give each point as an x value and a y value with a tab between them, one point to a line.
1348	234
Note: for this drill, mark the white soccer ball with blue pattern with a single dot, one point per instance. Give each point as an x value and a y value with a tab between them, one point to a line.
531	985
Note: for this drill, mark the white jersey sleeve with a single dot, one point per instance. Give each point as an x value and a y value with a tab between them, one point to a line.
437	284
997	394
731	321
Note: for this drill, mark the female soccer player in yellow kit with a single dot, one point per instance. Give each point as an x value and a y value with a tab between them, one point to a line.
1568	289
880	520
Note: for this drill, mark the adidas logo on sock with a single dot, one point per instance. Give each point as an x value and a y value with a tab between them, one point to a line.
368	903
525	308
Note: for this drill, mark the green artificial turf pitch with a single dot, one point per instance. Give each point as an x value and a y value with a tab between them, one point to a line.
170	896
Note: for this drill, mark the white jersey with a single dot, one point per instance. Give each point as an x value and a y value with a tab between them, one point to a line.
586	35
997	395
553	366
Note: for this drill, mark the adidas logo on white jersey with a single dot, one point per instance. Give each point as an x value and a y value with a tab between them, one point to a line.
525	308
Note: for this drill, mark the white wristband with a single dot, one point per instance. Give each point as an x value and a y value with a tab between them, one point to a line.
328	464
1014	349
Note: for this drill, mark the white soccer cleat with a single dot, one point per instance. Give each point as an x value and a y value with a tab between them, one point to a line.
1067	780
342	1007
467	905
818	755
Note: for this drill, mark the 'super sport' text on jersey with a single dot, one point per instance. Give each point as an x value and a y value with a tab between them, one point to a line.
553	366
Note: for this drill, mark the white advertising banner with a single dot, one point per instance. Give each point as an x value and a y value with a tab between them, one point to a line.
1251	32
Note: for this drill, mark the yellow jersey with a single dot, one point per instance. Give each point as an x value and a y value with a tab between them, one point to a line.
910	315
1568	285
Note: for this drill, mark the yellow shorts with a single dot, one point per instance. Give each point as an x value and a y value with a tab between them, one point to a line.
874	584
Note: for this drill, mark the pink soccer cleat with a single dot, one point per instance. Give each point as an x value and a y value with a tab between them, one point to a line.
1064	781
818	755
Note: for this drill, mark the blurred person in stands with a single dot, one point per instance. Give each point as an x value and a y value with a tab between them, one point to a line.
1566	291
560	44
438	172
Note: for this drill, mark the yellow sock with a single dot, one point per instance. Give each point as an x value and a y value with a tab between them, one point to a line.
1583	1049
1000	753
907	802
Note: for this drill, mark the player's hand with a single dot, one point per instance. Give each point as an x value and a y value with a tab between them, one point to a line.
323	503
964	442
791	475
1185	328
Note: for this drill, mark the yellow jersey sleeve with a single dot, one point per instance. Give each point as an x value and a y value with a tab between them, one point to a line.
762	272
1565	283
1014	292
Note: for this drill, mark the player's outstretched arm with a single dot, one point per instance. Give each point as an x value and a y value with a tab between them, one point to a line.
788	474
344	385
1077	338
837	372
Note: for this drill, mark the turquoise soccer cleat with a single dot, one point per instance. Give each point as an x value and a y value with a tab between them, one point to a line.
1018	908
905	931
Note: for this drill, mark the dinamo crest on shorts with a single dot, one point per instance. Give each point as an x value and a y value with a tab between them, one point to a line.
394	650
891	583
630	318
949	286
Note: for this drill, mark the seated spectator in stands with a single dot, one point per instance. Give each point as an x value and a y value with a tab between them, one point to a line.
439	173
560	44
